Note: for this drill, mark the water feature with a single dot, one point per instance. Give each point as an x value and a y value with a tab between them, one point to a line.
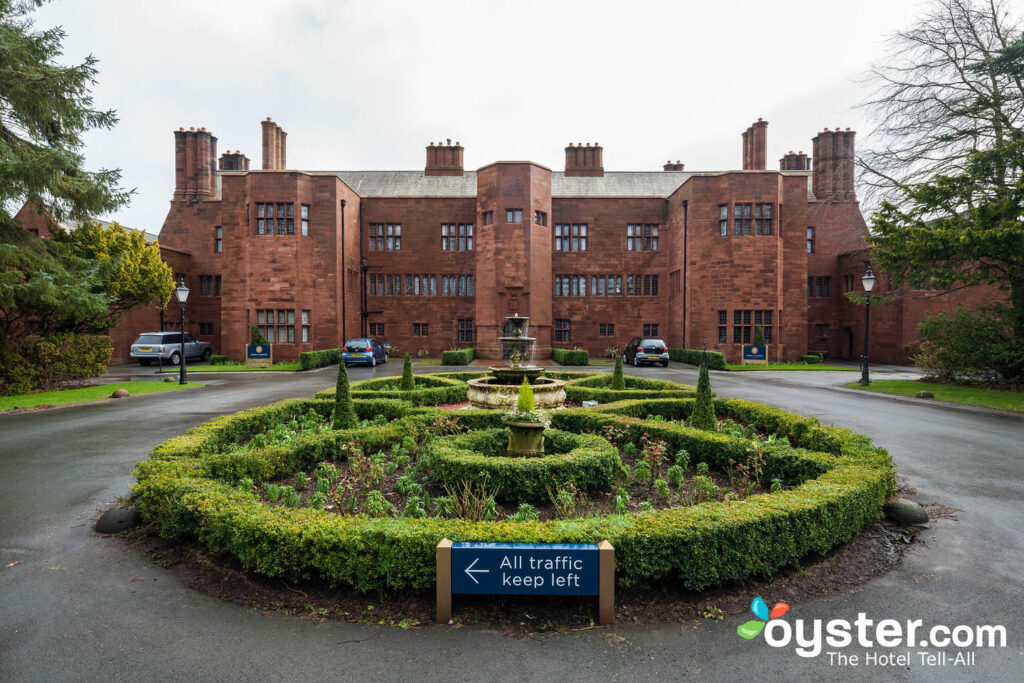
501	389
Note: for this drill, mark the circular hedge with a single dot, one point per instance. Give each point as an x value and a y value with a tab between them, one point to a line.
838	481
430	390
586	461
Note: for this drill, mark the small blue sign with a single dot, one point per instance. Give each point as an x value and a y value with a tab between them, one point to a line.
755	352
259	351
525	568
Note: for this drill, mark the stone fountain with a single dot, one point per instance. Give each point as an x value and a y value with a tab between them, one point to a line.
501	389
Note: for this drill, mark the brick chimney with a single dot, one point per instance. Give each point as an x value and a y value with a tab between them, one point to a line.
234	161
755	146
195	164
669	166
444	159
584	160
275	146
795	161
832	175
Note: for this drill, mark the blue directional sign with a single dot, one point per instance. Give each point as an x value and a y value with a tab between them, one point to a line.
755	352
525	568
259	351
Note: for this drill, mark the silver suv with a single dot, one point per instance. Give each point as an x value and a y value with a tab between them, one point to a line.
151	347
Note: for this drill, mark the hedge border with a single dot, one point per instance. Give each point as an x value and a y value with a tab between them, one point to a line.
716	359
319	359
594	387
436	390
570	356
584	460
693	548
457	356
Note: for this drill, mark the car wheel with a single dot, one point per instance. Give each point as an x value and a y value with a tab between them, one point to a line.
175	358
144	362
636	362
373	361
206	355
664	363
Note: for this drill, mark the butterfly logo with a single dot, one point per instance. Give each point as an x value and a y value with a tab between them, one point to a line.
752	628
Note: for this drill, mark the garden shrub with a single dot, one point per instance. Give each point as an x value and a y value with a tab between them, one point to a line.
319	359
839	481
408	383
256	337
597	387
809	359
704	408
617	383
344	414
716	359
218	359
47	363
570	356
457	357
430	390
965	346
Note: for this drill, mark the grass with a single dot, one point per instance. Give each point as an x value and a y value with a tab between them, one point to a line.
949	393
427	361
234	367
736	367
88	394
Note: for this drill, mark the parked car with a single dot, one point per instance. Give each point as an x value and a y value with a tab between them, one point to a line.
151	347
364	350
640	350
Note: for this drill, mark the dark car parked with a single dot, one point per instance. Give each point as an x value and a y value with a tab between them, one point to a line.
364	350
640	350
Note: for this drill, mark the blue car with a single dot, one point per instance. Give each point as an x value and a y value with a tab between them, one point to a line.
364	350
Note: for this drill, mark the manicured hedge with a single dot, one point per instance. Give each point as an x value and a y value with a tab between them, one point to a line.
716	359
430	390
594	387
218	360
570	356
810	359
457	357
586	461
319	359
839	480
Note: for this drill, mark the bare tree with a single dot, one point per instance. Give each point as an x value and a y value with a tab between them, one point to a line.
941	95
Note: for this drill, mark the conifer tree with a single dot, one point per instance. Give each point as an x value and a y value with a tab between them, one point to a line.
703	416
344	412
618	383
525	403
408	383
758	336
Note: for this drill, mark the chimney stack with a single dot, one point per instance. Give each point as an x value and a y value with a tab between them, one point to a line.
584	160
795	162
444	159
669	166
195	164
755	146
234	161
275	146
832	175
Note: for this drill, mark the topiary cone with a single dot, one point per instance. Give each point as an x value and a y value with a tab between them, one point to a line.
525	403
408	383
703	416
618	383
344	412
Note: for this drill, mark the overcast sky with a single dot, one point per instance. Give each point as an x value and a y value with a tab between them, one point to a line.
367	85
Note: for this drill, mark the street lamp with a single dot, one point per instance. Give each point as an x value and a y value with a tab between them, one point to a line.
868	280
181	291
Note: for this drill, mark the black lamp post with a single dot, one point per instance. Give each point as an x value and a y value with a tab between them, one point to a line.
868	280
181	291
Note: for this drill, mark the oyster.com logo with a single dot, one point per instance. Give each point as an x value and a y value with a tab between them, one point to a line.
753	628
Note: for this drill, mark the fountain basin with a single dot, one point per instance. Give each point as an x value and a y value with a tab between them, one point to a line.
509	375
547	393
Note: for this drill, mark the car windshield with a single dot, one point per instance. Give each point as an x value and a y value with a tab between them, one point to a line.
150	339
652	342
357	343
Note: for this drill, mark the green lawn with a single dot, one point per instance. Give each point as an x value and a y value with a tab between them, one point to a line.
234	367
736	367
950	393
88	394
427	361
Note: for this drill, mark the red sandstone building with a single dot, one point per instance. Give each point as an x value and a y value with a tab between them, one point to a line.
437	258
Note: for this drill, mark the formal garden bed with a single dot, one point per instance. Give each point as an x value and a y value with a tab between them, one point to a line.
757	492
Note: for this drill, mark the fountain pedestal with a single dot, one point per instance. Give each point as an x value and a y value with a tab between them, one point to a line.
525	439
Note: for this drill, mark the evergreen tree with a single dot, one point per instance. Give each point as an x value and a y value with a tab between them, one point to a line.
408	383
256	337
525	403
344	412
618	383
703	416
758	336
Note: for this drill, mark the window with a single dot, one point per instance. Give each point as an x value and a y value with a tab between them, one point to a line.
513	215
748	219
304	215
762	219
650	285
540	217
561	330
282	320
741	218
818	286
606	330
456	237
271	216
723	220
722	320
453	285
376	329
205	285
744	322
465	330
306	336
216	285
642	237
218	240
810	286
420	329
570	237
206	328
821	331
487	217
810	240
376	285
385	236
650	330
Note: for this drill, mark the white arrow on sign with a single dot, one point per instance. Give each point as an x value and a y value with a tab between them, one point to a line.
470	571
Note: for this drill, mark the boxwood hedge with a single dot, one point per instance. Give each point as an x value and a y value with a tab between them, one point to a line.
570	356
839	481
431	390
595	387
716	359
319	359
457	357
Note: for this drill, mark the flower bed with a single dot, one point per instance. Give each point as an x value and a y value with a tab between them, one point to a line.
831	482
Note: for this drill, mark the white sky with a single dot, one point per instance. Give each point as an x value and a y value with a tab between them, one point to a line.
367	85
